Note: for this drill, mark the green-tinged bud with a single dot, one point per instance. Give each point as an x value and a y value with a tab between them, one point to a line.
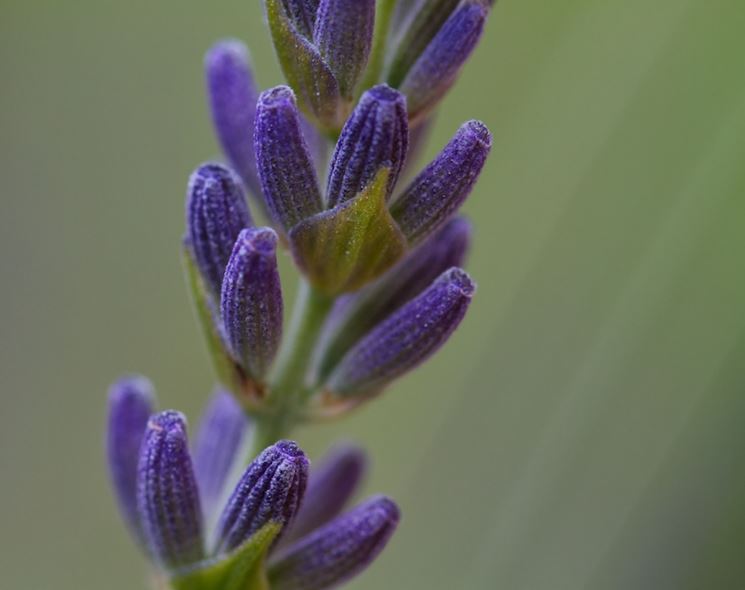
313	81
346	247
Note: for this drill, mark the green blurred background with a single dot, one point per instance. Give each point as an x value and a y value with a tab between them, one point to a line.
586	426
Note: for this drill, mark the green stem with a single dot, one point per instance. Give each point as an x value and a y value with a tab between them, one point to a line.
288	386
376	62
308	316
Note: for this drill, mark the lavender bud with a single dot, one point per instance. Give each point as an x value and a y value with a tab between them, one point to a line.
232	96
251	302
270	490
423	25
167	496
330	487
303	14
437	69
437	192
306	71
338	551
376	135
355	315
222	432
406	338
131	402
343	34
216	212
288	179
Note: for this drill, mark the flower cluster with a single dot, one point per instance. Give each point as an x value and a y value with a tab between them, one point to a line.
277	525
328	49
362	233
380	249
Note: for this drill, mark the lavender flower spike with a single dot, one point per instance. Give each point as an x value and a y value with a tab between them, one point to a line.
270	490
251	302
167	496
331	486
338	551
288	178
216	212
442	187
232	96
376	135
343	35
406	338
359	313
222	432
131	402
438	67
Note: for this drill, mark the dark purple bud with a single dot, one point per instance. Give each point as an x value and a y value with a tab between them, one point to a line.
332	484
222	432
406	338
343	35
357	314
338	551
302	13
288	178
376	135
232	96
167	496
437	68
420	29
442	187
131	402
216	212
251	302
270	490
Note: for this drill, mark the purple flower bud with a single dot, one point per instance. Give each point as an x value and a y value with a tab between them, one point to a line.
131	402
288	179
270	490
251	302
437	69
222	432
357	314
331	486
406	338
167	496
338	551
343	35
376	135
420	29
437	192
232	96
306	71
216	212
302	13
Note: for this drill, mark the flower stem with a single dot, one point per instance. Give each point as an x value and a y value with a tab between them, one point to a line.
376	62
288	387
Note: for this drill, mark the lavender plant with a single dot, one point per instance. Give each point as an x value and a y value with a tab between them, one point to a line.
381	290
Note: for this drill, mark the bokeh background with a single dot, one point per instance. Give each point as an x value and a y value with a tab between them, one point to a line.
585	427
